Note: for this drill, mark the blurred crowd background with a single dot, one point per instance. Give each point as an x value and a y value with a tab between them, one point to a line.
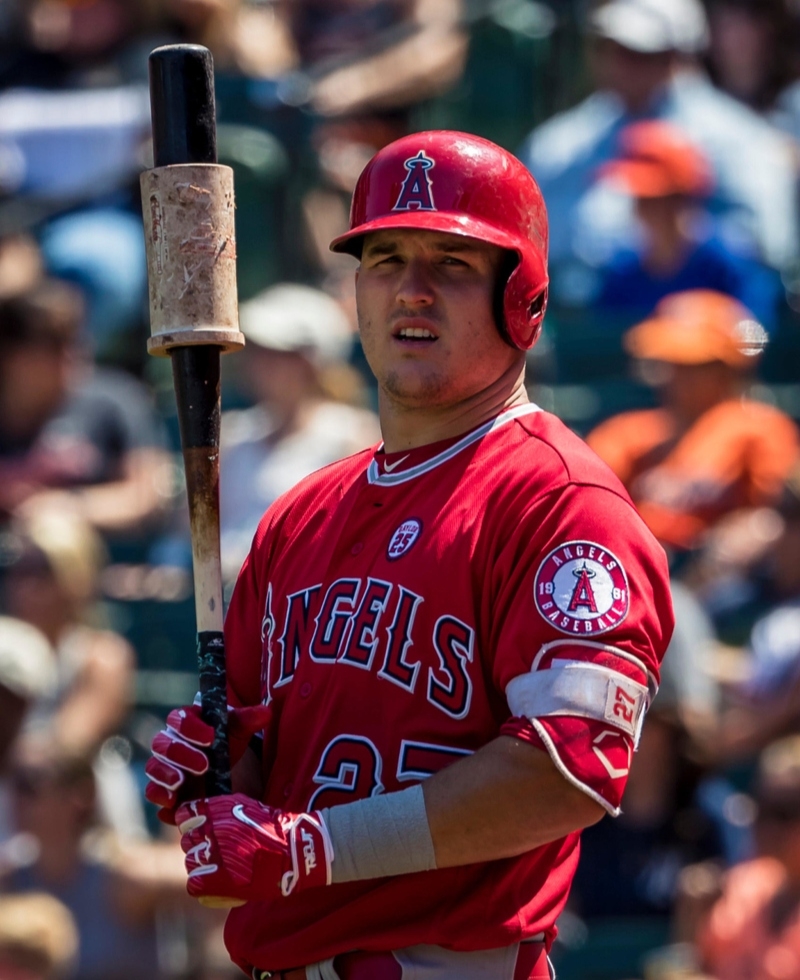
666	137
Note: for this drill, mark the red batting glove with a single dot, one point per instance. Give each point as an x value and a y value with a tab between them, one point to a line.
239	848
179	761
176	769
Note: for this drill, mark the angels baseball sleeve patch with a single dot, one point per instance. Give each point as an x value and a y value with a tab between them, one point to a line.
581	589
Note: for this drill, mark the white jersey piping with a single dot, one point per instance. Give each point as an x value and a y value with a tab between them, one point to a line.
374	475
559	764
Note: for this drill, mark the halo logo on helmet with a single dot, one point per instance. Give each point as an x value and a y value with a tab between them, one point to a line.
416	194
482	191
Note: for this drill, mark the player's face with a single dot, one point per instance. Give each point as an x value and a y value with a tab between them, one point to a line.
425	313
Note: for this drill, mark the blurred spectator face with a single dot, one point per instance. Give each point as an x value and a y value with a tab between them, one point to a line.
79	29
39	353
690	390
294	333
778	798
54	797
36	378
658	215
785	558
195	14
12	712
330	28
636	77
20	264
741	49
778	835
278	378
34	594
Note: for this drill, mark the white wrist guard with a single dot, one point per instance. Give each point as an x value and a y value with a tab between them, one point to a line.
381	836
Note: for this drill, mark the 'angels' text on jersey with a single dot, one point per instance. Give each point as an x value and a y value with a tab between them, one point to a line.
368	624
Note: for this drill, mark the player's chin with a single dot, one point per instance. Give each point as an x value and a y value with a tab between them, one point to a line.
413	385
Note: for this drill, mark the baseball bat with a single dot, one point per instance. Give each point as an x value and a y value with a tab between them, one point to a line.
187	205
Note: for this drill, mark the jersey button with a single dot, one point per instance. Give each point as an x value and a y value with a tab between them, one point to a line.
357	548
287	790
305	690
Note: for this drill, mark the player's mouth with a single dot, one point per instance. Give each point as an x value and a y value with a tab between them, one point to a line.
414	334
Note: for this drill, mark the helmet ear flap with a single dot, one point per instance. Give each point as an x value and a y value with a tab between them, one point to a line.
536	312
522	318
538	306
511	260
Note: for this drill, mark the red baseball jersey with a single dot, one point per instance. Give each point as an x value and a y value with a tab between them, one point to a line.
401	610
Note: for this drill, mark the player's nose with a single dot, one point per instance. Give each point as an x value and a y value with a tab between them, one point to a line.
415	284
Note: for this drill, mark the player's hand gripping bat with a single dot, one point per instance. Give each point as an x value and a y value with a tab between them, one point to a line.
188	211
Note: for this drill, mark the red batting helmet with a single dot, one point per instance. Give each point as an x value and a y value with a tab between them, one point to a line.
464	185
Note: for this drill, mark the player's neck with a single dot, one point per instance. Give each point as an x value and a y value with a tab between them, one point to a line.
408	426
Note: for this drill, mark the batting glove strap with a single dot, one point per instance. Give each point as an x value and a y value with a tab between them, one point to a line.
311	852
239	848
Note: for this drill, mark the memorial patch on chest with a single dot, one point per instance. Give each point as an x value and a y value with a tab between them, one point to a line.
581	588
403	538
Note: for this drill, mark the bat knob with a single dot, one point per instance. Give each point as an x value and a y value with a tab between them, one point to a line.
220	902
182	105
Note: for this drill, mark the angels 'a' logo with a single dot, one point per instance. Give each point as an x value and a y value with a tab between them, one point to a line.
403	538
581	588
416	194
583	594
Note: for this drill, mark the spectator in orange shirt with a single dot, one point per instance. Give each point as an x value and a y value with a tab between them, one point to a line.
708	451
753	929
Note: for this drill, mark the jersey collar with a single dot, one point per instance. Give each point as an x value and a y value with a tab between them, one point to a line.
374	475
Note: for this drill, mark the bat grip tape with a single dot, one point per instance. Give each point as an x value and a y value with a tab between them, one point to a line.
214	708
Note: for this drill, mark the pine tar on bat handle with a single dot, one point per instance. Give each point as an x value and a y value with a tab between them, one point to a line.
187	204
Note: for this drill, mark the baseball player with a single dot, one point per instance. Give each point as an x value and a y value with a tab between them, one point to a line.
447	642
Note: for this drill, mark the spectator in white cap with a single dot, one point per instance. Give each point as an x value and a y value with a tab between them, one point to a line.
653	26
27	673
307	407
644	58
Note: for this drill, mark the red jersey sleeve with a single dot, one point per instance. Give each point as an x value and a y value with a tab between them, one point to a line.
581	619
